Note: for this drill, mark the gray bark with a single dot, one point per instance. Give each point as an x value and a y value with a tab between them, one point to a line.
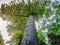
30	35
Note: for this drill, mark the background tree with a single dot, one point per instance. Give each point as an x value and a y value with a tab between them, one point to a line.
1	40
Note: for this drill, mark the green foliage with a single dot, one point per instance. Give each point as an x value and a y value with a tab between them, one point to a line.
41	36
19	23
58	12
17	36
47	11
36	8
17	28
55	29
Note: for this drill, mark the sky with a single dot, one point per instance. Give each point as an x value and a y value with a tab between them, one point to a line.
7	1
4	1
3	30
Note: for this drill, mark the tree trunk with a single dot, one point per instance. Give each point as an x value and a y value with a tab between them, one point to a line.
30	35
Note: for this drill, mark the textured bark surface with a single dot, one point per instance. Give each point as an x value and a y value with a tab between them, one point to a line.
30	35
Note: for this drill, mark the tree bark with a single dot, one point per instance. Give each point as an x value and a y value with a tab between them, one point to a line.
30	35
